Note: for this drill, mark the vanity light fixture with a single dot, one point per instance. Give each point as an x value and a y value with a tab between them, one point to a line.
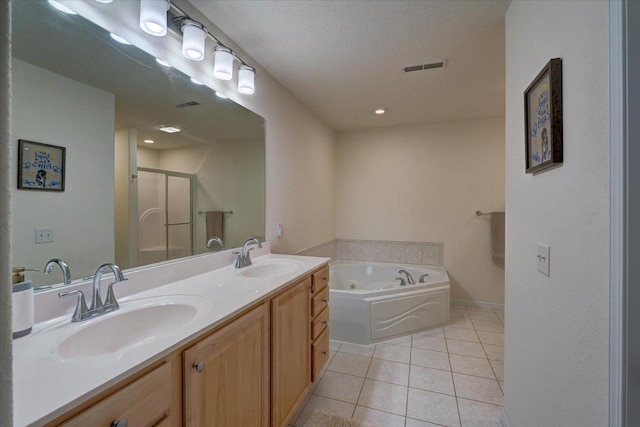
61	7
380	111
246	79
194	35
223	63
104	1
149	141
119	39
163	63
169	128
196	82
221	95
153	16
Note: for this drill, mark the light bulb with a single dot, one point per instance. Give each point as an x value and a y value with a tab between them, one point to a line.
379	111
223	63
221	95
196	82
104	1
119	39
246	80
194	35
163	63
153	16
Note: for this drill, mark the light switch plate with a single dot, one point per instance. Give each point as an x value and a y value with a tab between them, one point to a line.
44	235
544	253
279	229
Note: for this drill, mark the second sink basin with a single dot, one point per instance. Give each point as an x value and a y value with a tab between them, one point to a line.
135	323
271	268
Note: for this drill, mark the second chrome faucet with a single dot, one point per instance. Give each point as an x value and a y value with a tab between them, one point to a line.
97	307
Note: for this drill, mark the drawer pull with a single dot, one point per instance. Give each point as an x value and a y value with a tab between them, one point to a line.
120	423
324	322
324	353
199	366
324	279
324	300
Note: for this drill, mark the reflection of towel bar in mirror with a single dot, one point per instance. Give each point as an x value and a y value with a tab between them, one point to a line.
226	212
480	213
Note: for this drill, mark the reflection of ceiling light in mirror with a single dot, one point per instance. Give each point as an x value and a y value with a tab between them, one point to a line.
149	141
196	82
246	79
153	16
104	1
193	38
221	95
61	7
222	63
119	39
169	128
379	111
163	63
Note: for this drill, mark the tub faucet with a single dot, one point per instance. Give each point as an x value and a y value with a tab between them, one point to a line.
409	276
66	272
402	281
244	257
215	240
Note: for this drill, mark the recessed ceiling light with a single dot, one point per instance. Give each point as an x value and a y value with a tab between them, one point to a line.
221	95
169	128
163	63
149	141
196	82
379	111
61	7
119	39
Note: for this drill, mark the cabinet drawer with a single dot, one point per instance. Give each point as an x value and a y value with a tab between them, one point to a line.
320	352
319	323
144	402
319	302
320	280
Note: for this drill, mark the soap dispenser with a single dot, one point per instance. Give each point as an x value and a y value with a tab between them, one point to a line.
22	302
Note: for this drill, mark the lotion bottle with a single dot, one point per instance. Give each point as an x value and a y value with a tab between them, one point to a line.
22	308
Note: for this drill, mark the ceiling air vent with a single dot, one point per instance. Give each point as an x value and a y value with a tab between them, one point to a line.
422	67
188	104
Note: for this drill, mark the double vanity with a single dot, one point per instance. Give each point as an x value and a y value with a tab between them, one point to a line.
196	342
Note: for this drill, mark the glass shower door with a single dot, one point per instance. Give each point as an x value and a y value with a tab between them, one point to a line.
165	215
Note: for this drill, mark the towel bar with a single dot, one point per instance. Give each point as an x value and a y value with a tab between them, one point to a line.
480	213
204	212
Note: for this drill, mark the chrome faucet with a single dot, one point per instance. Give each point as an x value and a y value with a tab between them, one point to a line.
409	276
215	240
97	308
244	257
402	281
66	272
421	280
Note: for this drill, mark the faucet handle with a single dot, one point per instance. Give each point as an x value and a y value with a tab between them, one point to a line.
110	302
81	312
421	280
402	281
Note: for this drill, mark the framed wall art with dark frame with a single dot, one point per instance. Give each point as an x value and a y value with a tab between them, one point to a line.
543	119
40	166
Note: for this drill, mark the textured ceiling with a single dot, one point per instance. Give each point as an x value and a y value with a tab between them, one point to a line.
343	59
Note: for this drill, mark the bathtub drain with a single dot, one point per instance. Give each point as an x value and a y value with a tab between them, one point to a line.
353	286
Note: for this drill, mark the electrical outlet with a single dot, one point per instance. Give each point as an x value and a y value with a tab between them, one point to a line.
544	254
279	229
44	235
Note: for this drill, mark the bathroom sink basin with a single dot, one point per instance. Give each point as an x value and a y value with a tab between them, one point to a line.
272	268
135	323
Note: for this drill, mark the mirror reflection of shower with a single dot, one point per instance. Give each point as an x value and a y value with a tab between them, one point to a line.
165	215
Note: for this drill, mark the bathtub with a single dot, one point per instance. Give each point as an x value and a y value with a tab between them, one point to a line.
369	305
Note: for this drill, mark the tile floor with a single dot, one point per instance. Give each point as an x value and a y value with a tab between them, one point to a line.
451	376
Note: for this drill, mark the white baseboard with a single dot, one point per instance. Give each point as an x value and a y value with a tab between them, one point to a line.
478	304
504	419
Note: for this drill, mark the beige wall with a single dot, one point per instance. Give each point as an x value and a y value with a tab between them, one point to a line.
556	366
424	183
41	106
300	148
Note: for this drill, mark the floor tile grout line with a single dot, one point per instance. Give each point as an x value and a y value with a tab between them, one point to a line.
453	383
362	387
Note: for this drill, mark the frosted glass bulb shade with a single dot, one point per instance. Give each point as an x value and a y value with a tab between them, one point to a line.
61	7
153	17
104	1
222	63
246	80
194	35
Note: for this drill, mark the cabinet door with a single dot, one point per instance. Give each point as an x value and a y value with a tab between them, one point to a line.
227	375
290	353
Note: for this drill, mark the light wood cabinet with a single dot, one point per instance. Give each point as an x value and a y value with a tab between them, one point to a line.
291	362
319	321
145	402
226	375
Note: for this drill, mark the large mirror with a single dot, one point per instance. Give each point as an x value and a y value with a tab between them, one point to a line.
133	193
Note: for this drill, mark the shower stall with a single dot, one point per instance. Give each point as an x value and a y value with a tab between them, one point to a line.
165	215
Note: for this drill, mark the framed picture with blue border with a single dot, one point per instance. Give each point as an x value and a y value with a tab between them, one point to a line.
543	119
40	166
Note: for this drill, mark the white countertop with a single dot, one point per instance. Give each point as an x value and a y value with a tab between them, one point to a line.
47	385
